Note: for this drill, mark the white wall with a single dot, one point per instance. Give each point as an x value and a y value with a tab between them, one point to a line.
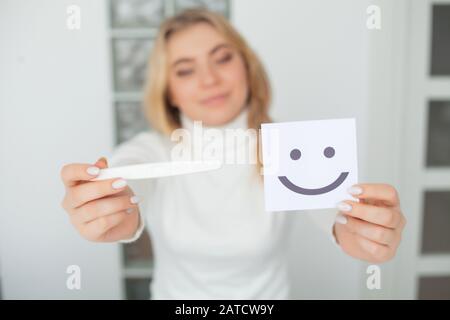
55	104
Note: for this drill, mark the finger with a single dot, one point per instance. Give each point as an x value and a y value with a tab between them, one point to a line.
402	222
106	206
370	231
102	163
83	193
73	173
383	216
374	191
377	252
100	226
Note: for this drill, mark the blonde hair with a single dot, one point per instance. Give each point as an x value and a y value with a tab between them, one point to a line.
165	117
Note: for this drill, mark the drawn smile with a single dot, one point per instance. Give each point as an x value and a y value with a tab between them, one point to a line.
293	187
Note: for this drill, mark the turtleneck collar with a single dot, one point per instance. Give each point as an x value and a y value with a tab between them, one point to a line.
239	122
227	148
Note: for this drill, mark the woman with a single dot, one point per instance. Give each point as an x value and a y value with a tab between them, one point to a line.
211	237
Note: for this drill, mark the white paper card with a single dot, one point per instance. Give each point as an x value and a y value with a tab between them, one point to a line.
308	164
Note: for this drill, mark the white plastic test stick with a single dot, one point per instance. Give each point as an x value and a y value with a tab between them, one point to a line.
156	170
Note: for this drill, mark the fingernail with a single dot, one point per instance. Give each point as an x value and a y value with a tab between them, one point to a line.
135	199
129	210
93	171
119	184
354	190
341	219
104	160
344	206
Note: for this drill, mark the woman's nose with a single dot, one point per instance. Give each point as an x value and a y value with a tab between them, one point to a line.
208	76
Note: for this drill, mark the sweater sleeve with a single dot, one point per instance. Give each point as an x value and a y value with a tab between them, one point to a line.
142	148
325	220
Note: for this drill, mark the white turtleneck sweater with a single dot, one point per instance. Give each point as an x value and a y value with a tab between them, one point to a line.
211	236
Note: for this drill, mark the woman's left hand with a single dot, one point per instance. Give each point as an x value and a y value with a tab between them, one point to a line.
371	229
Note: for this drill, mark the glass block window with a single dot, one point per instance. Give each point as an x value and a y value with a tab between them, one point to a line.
138	254
438	146
129	120
436	222
137	13
219	6
137	288
434	288
440	41
130	63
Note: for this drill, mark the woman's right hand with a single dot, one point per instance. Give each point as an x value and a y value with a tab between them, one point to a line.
101	211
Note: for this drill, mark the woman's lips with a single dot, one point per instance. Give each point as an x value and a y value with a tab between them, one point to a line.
215	100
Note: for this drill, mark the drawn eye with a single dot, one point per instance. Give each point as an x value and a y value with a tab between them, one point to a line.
329	152
295	154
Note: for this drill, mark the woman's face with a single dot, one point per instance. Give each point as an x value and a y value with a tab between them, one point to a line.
207	76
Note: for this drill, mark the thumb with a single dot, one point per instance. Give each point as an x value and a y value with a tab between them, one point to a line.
102	163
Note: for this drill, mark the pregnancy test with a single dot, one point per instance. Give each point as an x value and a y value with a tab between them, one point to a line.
157	170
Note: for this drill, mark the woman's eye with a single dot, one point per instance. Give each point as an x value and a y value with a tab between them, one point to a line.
183	73
225	59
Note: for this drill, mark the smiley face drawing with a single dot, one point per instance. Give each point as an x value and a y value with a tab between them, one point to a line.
295	155
308	164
